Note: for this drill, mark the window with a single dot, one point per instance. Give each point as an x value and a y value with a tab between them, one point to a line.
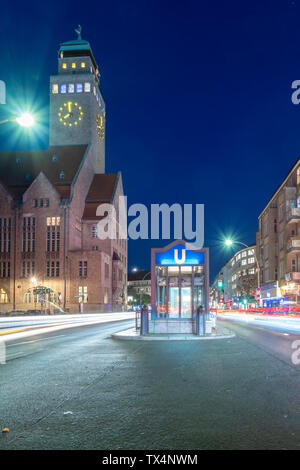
62	175
94	231
41	202
55	221
82	268
35	203
251	271
82	65
47	202
106	270
244	262
3	297
251	260
5	269
55	88
28	234
63	88
251	252
73	65
87	87
294	266
79	87
64	65
244	254
83	294
71	88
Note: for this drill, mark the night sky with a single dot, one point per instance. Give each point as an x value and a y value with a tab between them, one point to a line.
198	97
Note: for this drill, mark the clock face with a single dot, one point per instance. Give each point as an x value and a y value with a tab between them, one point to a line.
70	114
100	126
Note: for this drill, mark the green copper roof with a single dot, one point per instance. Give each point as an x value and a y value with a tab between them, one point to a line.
77	44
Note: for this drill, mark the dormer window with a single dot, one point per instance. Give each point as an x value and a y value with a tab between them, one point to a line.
62	175
82	65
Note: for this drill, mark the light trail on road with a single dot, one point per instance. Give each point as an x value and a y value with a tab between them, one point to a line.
18	327
278	322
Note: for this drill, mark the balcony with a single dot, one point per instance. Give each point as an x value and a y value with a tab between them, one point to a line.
293	215
293	245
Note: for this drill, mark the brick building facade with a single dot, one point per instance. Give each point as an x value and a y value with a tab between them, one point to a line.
50	252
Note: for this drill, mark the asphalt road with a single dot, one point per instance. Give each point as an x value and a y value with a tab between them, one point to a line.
81	389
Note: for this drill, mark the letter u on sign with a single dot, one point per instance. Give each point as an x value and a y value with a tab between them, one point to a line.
176	259
2	92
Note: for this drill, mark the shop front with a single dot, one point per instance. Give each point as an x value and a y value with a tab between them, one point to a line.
179	287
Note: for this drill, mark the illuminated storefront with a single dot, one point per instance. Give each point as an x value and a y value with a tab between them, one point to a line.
179	282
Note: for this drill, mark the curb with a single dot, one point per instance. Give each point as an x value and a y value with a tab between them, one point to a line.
130	337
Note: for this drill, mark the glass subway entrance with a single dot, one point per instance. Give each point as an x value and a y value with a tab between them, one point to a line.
179	290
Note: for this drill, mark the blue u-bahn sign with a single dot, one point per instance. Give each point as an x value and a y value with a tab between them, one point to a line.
179	254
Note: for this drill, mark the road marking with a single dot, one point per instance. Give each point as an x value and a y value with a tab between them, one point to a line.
35	340
3	333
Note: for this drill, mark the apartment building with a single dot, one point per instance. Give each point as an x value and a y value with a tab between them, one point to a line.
236	283
278	243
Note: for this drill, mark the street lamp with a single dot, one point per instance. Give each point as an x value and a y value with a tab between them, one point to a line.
24	120
229	242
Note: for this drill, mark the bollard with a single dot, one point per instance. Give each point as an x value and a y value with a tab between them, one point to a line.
144	322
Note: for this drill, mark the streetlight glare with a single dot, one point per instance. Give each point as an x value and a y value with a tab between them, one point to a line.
25	120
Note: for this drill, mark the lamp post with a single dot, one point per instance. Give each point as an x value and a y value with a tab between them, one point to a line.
229	242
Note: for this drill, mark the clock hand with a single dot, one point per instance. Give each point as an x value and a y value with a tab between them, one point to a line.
70	106
67	115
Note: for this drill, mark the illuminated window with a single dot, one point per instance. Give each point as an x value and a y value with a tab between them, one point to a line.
94	91
73	65
82	65
87	87
71	88
63	88
54	221
3	297
55	88
91	69
64	65
79	87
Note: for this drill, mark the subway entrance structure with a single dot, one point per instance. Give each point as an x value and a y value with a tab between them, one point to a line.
179	290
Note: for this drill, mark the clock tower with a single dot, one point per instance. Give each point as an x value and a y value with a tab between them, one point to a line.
77	108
